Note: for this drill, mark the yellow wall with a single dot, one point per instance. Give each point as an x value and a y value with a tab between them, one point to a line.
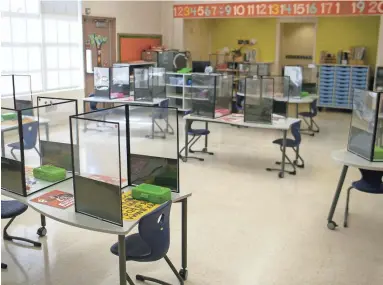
226	33
293	33
197	38
335	33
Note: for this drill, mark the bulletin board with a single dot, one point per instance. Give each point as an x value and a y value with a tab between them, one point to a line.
130	46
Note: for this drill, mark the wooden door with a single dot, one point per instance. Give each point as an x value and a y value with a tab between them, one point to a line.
105	31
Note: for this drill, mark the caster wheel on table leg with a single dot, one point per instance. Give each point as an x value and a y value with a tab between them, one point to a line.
331	225
281	175
184	274
42	232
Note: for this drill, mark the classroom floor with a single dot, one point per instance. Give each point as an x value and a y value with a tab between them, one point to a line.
246	226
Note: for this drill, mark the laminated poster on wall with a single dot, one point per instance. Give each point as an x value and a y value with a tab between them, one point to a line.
56	198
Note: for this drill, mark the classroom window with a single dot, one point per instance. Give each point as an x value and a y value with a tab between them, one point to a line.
42	39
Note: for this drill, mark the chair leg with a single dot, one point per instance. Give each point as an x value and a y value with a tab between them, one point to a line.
174	270
345	223
299	157
37	150
204	150
6	236
146	278
4	266
130	281
287	162
317	127
193	157
14	156
309	130
161	130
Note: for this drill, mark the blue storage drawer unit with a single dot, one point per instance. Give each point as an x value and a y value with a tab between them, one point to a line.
336	83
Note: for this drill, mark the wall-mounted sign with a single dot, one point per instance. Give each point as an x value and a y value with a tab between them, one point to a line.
278	9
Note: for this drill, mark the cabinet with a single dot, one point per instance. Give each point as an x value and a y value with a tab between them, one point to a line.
336	82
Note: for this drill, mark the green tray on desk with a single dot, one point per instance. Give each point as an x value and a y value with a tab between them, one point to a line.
151	193
49	173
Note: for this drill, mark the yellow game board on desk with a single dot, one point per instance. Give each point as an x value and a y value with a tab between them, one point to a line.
133	209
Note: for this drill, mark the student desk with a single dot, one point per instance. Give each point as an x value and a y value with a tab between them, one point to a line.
70	217
279	123
6	126
293	100
127	100
347	159
298	101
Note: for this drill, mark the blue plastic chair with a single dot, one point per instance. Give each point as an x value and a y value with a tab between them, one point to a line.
30	131
371	183
10	210
239	102
311	115
93	105
151	243
196	135
294	145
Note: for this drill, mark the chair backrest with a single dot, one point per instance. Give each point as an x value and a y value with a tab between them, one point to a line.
30	131
154	229
372	177
296	131
92	105
313	107
162	111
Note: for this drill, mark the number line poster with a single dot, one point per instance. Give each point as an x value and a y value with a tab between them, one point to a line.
278	9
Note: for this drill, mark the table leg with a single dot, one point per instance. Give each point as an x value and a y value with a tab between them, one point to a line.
296	110
42	231
282	173
330	223
83	106
206	137
184	272
2	144
122	259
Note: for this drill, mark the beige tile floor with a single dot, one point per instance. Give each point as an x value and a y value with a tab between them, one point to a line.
246	226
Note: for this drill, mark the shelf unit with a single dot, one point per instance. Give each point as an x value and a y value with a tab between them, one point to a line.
177	90
336	82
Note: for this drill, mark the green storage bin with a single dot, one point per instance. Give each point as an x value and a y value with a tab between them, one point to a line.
8	117
49	173
151	193
304	94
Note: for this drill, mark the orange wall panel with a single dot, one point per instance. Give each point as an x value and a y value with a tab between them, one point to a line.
131	48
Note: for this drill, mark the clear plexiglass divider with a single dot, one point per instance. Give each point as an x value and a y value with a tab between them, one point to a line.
149	84
281	91
16	91
111	82
295	73
36	150
118	147
366	129
259	100
211	94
